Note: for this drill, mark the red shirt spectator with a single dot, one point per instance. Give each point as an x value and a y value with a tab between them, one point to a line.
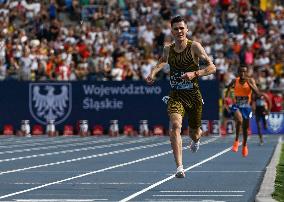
256	45
244	6
236	47
277	101
83	49
226	2
63	72
261	30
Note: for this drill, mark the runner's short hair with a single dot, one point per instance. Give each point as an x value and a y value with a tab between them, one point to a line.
241	67
177	19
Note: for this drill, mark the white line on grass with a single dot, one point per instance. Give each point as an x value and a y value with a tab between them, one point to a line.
99	171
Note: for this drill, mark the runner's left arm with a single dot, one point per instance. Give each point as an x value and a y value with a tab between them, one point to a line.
268	100
253	86
199	52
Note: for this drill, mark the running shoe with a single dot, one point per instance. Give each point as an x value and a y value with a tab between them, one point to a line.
194	146
235	146
245	151
180	174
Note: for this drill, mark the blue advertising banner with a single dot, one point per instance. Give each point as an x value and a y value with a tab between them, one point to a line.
98	102
275	124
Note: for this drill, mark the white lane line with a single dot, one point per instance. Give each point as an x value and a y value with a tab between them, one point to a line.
26	140
68	144
173	176
201	195
187	200
97	171
83	175
84	158
71	150
61	141
20	140
208	191
60	200
82	183
83	171
136	171
23	142
227	171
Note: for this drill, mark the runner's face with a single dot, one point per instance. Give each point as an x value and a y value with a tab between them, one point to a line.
243	73
179	31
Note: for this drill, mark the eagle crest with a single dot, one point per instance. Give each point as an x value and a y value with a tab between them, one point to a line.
275	122
49	105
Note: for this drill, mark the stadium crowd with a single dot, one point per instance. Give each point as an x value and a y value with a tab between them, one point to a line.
122	39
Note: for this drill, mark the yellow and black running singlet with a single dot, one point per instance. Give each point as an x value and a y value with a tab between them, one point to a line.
179	64
185	95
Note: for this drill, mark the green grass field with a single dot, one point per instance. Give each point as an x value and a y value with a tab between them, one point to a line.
279	181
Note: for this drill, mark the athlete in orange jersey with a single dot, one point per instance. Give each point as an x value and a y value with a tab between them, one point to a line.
241	109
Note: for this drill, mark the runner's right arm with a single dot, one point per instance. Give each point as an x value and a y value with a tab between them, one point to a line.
160	65
231	85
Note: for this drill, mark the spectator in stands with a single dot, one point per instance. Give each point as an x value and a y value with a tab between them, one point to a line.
25	63
3	70
104	23
261	106
277	102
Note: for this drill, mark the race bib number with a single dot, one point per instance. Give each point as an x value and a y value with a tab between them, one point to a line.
242	100
178	83
260	102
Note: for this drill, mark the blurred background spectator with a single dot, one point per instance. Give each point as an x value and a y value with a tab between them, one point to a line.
122	39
